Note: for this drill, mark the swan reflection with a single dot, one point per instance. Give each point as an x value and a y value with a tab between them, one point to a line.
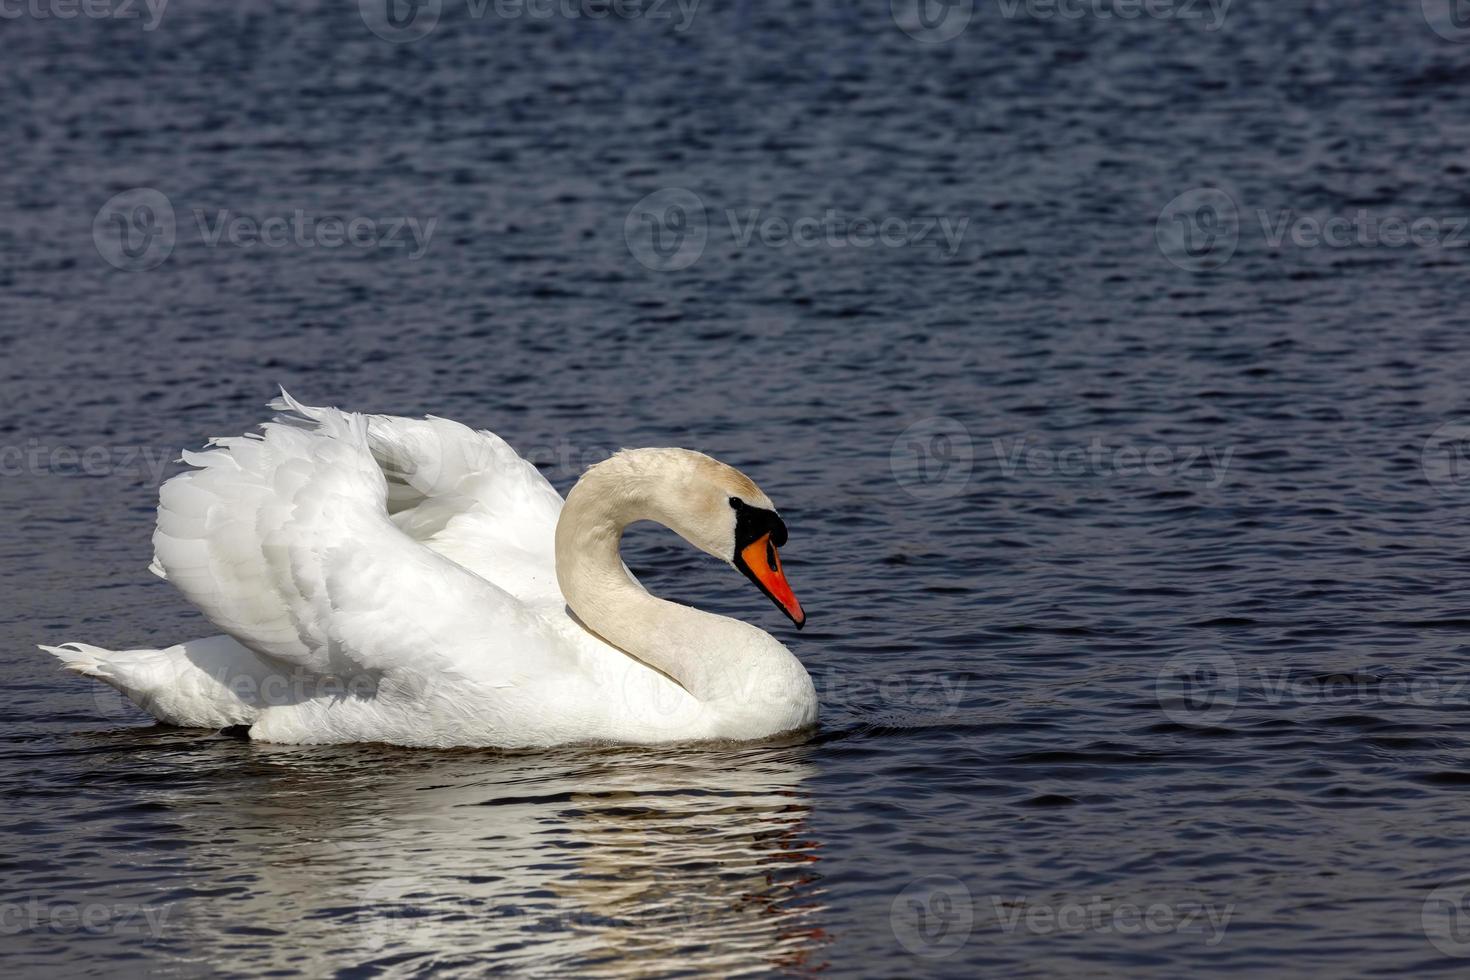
615	862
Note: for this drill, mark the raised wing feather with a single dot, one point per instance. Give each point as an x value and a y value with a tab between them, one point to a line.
285	541
465	494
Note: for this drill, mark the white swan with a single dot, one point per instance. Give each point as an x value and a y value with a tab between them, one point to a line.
416	582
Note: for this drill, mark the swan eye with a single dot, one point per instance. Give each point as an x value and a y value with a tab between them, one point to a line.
752	522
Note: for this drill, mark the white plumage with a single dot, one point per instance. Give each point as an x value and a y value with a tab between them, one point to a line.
390	579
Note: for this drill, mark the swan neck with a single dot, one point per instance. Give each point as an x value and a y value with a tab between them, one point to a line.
673	638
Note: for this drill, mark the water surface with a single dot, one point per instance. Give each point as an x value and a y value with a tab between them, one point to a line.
1138	620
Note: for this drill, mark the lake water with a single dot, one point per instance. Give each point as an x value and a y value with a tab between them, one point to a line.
1109	372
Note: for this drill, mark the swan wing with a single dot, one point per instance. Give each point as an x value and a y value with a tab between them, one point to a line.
295	542
463	493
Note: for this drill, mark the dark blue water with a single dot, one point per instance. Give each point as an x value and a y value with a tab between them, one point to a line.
1132	526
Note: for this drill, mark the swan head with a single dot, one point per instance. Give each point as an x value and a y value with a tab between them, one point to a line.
758	532
710	504
721	511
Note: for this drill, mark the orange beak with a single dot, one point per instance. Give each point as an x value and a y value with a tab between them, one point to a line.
761	563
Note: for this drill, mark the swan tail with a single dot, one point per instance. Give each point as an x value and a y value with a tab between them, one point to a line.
192	685
79	658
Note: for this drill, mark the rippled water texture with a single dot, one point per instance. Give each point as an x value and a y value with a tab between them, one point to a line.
1132	527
